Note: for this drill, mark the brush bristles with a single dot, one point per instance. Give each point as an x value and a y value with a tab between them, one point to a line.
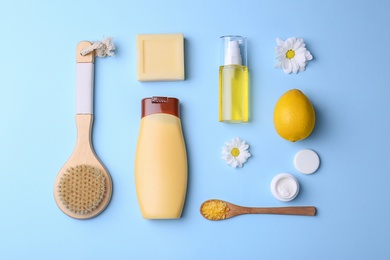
82	188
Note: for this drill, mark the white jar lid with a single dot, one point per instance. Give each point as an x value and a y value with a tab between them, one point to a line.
284	187
306	161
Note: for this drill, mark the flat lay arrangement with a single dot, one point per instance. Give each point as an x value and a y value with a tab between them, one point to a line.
83	187
194	130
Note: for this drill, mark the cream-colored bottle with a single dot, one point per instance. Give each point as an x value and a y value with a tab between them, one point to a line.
160	160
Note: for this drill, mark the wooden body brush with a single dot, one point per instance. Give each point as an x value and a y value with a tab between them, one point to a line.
83	186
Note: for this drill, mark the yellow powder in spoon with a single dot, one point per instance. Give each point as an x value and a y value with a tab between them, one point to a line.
215	209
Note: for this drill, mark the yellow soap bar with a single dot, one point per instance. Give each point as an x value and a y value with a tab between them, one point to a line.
160	57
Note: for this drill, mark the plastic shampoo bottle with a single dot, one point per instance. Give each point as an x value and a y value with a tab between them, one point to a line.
161	160
233	81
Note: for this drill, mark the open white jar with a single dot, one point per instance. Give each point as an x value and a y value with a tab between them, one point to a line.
284	187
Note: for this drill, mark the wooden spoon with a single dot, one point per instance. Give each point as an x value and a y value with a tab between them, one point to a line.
215	209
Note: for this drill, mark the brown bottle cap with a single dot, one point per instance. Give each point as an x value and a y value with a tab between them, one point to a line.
155	105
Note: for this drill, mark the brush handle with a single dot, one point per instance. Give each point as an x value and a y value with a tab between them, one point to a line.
84	80
84	148
84	88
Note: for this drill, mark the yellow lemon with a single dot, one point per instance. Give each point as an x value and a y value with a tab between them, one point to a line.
294	116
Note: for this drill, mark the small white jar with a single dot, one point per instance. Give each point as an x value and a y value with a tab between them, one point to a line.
284	187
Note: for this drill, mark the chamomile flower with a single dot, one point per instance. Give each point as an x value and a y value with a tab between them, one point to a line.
292	55
235	152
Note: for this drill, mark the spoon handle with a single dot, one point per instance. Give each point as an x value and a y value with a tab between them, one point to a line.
303	211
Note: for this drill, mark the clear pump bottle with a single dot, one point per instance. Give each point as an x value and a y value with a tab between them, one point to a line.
233	80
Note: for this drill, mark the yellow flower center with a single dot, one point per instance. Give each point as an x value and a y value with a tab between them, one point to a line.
235	152
290	54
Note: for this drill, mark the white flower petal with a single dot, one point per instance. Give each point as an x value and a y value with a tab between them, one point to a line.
231	160
242	143
227	157
287	70
300	59
289	43
281	57
295	66
300	51
233	163
279	41
246	154
298	44
308	55
244	147
287	66
241	160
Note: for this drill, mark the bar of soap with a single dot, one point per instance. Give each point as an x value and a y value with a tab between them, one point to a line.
160	57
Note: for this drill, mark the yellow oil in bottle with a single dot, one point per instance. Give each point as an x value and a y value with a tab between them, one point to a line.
233	94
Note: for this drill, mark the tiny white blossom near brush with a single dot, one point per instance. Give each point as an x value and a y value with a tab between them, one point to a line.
235	152
292	55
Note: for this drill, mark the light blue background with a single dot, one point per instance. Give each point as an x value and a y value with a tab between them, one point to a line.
347	82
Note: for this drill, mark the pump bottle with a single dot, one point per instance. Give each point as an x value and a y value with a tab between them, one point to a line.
233	81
